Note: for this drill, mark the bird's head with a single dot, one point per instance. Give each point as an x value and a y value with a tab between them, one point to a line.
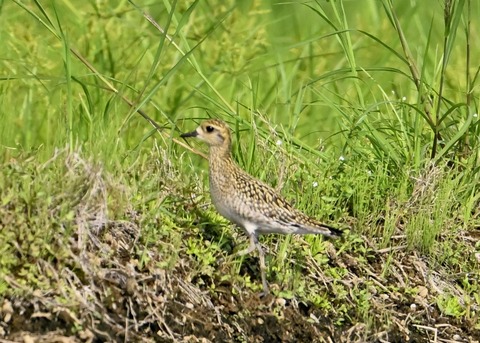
214	132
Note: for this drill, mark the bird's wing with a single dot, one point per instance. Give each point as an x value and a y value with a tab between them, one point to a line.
263	204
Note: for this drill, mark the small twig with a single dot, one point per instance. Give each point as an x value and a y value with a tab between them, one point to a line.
385	250
429	328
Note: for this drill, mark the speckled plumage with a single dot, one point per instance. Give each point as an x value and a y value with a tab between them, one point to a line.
246	201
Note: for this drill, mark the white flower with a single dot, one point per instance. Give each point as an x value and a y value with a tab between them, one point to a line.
279	142
341	158
475	115
404	98
315	184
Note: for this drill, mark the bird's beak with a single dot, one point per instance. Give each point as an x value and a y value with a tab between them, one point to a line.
189	134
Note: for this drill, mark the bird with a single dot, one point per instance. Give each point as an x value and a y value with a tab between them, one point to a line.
246	201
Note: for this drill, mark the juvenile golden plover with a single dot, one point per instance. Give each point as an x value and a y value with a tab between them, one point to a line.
246	201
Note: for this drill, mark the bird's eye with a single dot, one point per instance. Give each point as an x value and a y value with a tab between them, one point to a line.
209	129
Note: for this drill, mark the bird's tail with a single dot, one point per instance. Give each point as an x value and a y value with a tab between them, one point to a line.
334	232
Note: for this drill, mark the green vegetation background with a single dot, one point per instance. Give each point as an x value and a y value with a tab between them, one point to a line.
363	113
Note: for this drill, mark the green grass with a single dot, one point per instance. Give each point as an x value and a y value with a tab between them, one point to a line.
363	113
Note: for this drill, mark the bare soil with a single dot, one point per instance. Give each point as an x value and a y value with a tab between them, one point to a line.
109	303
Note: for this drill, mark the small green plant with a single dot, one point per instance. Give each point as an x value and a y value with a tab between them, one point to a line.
450	305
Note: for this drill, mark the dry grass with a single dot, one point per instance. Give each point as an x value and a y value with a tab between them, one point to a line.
102	279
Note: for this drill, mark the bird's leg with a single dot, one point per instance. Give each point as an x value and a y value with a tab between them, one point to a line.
255	244
261	256
251	247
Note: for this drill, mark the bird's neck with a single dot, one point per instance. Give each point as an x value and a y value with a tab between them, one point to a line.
220	153
223	151
220	157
